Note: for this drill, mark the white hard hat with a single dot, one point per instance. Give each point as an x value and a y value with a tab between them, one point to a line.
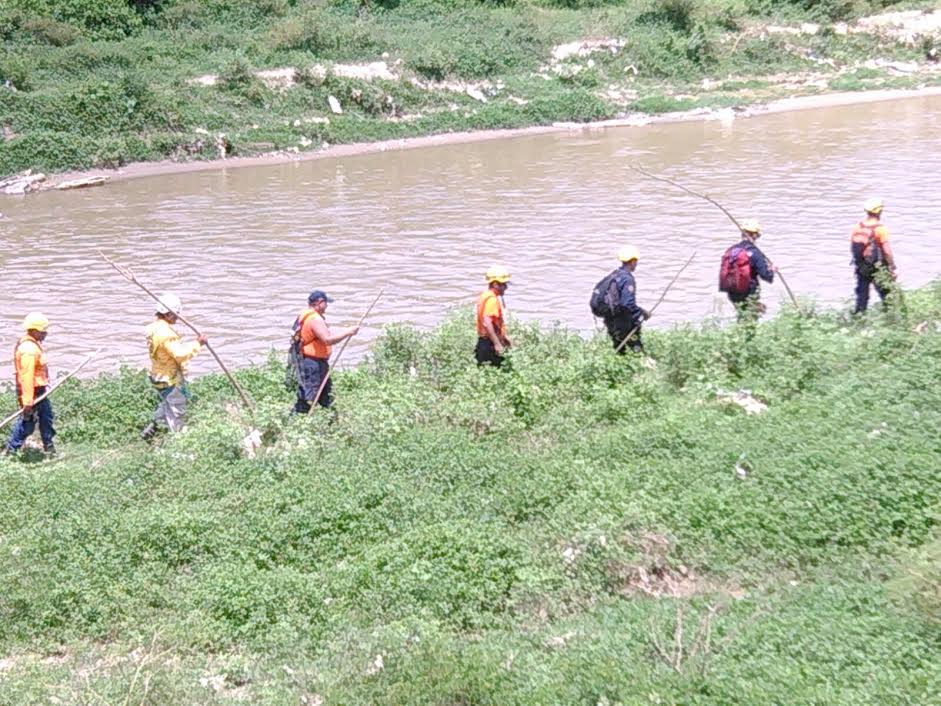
751	225
170	304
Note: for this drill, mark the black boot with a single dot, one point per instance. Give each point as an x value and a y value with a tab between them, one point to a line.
148	432
50	450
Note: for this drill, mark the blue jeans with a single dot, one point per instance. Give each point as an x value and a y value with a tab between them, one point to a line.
618	328
172	408
866	276
311	372
42	413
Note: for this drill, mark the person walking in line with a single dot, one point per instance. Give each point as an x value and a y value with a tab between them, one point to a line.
873	260
492	340
168	359
32	379
614	301
743	265
314	341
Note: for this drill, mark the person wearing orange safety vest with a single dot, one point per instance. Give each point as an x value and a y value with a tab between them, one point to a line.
492	340
32	378
168	359
316	340
873	259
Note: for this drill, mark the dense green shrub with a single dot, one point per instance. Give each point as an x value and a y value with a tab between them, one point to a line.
103	19
237	78
17	73
325	34
46	150
92	108
920	582
476	44
51	31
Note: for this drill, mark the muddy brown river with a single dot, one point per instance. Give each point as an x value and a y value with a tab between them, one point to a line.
243	247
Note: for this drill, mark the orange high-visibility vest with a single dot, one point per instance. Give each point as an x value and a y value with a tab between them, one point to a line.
311	346
29	362
488	304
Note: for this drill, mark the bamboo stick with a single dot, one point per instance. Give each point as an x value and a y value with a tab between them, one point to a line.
129	275
50	390
659	302
718	205
336	358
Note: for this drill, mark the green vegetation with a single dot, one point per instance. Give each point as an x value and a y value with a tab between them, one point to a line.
90	83
547	533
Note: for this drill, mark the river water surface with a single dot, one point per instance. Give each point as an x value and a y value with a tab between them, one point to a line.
243	247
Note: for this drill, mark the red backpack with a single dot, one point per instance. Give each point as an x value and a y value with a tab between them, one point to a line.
735	273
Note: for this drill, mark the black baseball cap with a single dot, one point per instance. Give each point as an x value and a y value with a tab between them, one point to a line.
317	295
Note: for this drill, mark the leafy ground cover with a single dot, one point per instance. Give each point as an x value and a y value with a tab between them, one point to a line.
576	528
100	83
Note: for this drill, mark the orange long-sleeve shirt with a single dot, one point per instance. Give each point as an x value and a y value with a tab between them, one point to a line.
29	361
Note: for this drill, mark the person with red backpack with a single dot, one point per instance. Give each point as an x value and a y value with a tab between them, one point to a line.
872	256
743	265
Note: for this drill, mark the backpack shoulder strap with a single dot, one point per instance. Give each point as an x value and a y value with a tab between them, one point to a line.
300	321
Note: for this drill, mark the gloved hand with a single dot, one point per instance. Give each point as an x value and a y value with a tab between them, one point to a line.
27	411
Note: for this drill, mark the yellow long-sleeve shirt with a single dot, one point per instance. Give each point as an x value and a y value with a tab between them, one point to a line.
29	361
168	354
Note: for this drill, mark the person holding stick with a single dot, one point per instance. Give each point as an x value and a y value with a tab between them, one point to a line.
743	265
315	340
32	377
625	318
168	359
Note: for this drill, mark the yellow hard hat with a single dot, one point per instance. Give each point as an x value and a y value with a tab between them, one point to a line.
498	273
873	205
750	225
35	321
628	253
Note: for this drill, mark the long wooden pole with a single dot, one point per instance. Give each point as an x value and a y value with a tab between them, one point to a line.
131	277
659	301
50	390
336	359
718	205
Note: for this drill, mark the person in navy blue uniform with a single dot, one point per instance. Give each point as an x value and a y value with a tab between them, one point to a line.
746	299
629	316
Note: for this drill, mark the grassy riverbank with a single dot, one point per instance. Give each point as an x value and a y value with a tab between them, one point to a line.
544	534
100	83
